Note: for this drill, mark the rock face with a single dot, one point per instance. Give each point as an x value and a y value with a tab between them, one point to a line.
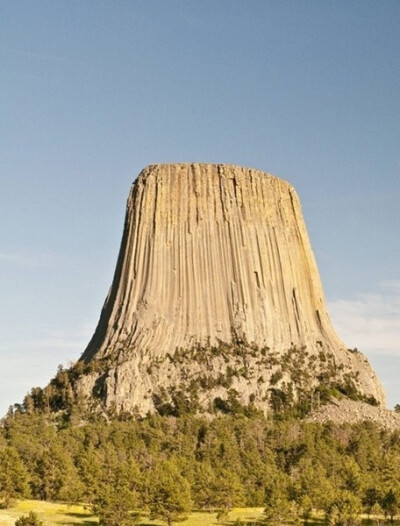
213	257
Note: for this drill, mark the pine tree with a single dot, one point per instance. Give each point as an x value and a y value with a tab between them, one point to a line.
279	508
13	476
391	503
227	490
114	507
344	510
169	494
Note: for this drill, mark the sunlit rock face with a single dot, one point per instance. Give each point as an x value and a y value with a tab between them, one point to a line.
212	256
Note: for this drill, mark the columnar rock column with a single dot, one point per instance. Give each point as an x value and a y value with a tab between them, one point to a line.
212	253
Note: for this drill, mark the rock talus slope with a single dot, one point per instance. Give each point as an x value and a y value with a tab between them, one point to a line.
210	255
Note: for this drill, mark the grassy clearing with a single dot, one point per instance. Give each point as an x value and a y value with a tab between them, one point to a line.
63	514
56	514
53	514
50	513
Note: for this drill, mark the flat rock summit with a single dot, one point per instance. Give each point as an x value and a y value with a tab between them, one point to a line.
216	297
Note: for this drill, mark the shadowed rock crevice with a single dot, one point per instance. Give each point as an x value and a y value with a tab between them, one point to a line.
210	255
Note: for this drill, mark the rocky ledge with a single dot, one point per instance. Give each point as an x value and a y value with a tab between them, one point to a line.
352	412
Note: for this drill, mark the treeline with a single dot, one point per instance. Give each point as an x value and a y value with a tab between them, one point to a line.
168	466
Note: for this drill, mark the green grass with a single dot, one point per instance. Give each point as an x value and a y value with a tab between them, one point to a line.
63	514
50	513
53	514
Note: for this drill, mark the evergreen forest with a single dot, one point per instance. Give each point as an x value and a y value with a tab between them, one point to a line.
167	466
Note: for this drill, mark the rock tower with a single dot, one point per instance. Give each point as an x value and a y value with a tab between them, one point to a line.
216	291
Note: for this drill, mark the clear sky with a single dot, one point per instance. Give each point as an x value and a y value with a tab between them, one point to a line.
93	91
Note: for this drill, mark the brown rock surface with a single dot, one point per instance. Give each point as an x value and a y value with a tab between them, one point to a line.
211	253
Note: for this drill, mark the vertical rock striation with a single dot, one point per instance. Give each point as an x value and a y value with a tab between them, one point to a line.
211	254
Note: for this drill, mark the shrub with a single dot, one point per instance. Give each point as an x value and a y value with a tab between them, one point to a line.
29	520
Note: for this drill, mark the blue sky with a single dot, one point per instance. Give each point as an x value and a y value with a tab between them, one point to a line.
92	92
